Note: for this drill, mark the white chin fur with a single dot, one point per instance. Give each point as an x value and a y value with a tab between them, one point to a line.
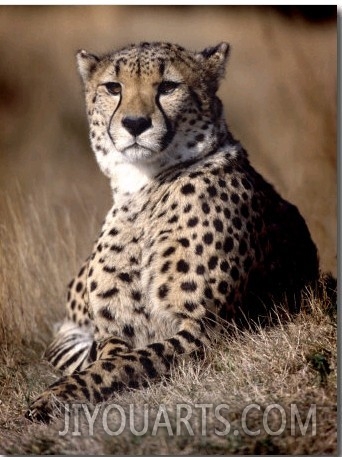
128	171
138	153
131	177
136	165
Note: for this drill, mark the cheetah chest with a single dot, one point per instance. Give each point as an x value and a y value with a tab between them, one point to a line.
120	274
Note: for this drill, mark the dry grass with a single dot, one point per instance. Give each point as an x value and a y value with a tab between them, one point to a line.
280	100
291	363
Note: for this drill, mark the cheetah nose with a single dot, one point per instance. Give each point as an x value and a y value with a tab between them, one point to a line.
136	125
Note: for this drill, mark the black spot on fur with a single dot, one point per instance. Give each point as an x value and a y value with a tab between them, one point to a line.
182	266
108	366
224	266
165	267
163	291
105	313
109	293
129	370
200	270
188	286
190	338
235	182
212	191
223	287
212	263
125	277
199	249
136	295
190	306
116	248
228	244
128	330
93	285
184	242
208	238
177	345
169	251
227	213
193	221
148	367
235	198
96	378
188	189
173	219
237	222
205	208
218	225
158	348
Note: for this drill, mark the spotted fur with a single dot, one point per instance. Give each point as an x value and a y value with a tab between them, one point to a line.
195	236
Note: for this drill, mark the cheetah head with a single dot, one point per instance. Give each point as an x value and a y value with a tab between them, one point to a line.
152	102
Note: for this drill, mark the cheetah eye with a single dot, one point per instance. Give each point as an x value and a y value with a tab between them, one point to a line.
113	88
167	87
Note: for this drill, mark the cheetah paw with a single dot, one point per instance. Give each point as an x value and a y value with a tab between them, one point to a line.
45	408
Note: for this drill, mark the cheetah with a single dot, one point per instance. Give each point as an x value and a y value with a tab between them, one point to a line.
195	239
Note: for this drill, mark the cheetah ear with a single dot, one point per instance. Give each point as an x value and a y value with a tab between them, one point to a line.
86	63
214	60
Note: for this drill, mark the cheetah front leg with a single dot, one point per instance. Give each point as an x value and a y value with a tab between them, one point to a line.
118	367
70	349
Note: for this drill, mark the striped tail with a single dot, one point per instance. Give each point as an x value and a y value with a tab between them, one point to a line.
70	349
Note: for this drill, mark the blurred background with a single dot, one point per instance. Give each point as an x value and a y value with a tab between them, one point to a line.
279	96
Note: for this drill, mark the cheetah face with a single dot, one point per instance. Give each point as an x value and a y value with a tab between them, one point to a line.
151	102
